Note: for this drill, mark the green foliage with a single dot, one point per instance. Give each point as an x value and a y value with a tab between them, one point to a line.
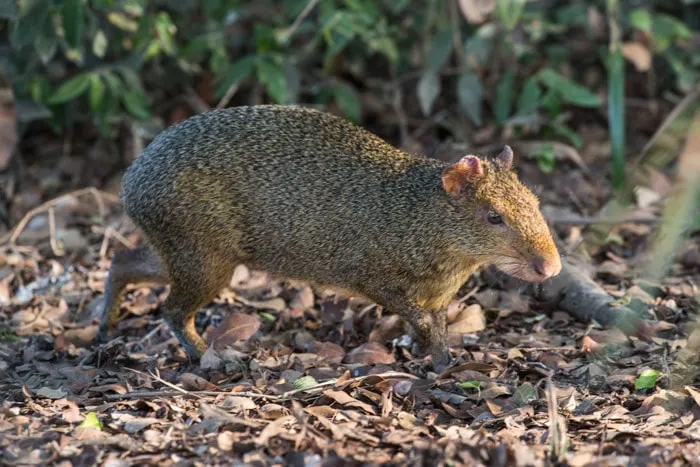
91	421
106	61
647	379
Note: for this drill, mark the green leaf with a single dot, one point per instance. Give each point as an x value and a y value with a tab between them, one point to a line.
166	31
569	91
136	103
470	93
131	78
440	50
97	92
122	21
8	10
29	111
25	30
219	61
647	379
529	97
510	12
239	71
267	316
114	83
273	77
99	44
46	41
563	130
348	101
305	382
668	26
386	46
70	89
479	47
545	157
428	90
91	421
504	97
470	384
73	21
640	19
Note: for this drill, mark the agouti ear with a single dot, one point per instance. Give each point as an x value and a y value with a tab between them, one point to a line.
457	176
505	158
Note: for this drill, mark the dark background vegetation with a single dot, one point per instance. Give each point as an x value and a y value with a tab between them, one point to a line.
472	71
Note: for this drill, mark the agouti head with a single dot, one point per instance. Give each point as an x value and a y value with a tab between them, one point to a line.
504	222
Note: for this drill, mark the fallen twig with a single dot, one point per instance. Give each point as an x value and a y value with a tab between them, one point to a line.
286	396
12	237
591	220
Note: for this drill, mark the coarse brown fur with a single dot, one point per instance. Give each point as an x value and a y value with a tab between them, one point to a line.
306	195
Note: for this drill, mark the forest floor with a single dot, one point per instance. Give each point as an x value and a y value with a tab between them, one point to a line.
298	376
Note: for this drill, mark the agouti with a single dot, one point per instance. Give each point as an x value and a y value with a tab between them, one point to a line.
306	195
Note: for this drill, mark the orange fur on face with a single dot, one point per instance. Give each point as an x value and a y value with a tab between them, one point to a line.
527	235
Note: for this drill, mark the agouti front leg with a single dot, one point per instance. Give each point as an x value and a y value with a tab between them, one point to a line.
128	267
195	281
429	327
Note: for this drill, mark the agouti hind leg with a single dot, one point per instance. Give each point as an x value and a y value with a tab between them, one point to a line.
128	267
194	283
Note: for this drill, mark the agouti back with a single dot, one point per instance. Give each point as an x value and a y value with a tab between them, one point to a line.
306	195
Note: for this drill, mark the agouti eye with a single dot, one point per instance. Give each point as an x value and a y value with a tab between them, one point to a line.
494	218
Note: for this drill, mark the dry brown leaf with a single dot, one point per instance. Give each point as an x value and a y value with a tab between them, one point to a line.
118	388
468	321
493	392
275	304
234	328
274	429
589	345
638	54
387	328
694	393
344	398
238	404
329	351
72	413
370	354
225	440
304	299
469	366
272	411
192	382
410	422
477	11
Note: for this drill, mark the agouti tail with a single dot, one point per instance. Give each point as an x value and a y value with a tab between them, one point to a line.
306	195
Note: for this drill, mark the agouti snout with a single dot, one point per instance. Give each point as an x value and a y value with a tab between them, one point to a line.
306	195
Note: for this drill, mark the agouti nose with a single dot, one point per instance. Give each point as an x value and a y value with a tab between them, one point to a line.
546	268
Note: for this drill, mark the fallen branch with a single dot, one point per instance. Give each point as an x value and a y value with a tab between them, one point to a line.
579	295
